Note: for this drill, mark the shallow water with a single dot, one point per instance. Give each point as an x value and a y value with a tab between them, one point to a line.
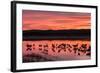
58	49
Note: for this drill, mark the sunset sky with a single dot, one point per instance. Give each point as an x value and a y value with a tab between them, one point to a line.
52	20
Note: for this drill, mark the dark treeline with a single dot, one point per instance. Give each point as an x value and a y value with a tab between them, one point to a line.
56	34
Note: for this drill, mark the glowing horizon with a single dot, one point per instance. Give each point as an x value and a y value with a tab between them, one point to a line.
52	20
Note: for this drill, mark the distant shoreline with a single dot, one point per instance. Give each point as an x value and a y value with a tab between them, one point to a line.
83	34
55	38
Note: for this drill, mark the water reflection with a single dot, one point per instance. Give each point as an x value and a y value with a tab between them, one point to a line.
56	50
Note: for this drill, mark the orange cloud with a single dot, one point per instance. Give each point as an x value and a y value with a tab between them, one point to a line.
50	20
